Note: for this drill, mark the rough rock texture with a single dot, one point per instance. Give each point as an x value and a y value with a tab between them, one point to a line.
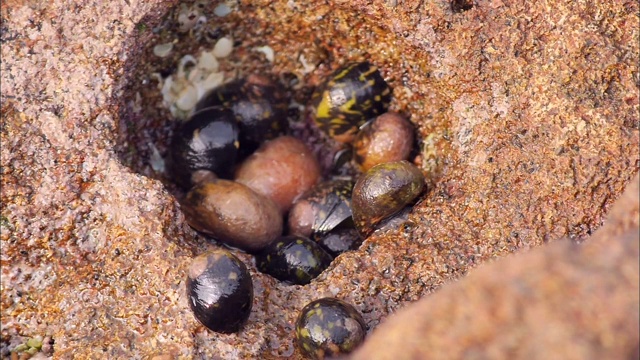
527	114
561	301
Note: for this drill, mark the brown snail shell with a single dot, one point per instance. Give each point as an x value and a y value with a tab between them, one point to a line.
387	138
383	191
202	176
281	169
233	214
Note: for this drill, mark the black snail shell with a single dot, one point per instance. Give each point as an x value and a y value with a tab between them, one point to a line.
233	214
293	259
383	191
340	239
327	327
321	209
220	291
207	141
259	105
352	95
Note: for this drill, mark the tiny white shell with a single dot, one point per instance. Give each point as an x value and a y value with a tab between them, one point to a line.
208	61
187	19
211	82
156	161
163	50
267	51
222	10
187	99
223	48
166	89
186	60
307	68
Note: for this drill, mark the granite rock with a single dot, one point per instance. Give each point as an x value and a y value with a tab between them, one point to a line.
563	300
527	115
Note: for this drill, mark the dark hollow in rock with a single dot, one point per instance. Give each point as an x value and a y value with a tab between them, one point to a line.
458	6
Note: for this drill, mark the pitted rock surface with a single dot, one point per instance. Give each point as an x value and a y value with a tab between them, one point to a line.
562	300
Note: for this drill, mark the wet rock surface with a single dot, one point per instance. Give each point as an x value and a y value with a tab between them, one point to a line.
562	300
528	125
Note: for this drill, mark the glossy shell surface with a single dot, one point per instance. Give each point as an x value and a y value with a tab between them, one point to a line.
383	191
282	169
207	141
220	291
233	214
352	95
259	105
321	209
328	327
339	240
387	138
293	259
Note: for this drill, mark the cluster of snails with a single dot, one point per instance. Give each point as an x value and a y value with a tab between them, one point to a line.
252	187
